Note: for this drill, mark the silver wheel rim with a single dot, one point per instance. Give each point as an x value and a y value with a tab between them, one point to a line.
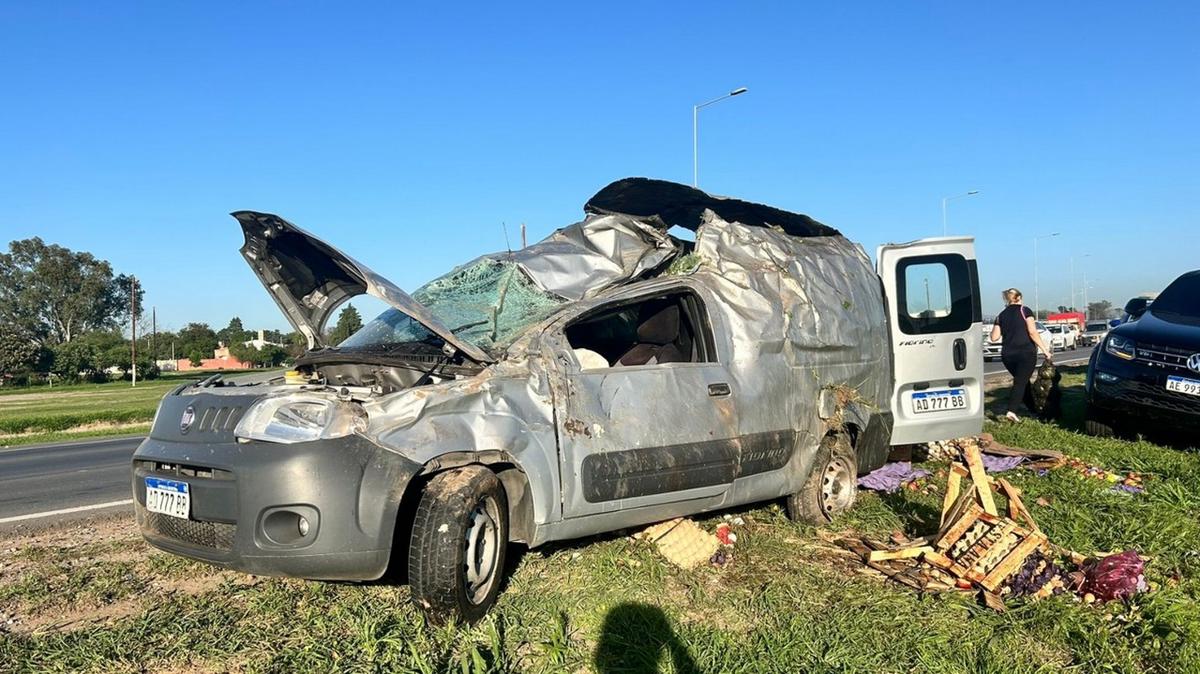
837	487
482	549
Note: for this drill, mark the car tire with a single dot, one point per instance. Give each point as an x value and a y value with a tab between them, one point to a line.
1099	429
832	485
459	537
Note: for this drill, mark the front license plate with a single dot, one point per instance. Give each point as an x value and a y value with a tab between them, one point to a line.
168	497
1183	385
940	400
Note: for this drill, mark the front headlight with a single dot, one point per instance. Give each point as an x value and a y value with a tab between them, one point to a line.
289	420
1121	347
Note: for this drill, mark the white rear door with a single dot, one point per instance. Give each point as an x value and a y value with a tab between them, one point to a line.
935	320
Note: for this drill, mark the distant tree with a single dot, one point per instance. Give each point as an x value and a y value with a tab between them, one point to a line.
233	333
75	360
196	338
295	343
19	353
196	358
268	356
348	323
162	344
54	294
244	352
272	356
1100	310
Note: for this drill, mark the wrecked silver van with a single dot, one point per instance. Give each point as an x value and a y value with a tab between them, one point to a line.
609	376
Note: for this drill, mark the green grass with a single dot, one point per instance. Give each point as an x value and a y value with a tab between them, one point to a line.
61	408
786	603
46	414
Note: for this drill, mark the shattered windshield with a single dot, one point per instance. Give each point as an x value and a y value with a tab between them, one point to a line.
488	303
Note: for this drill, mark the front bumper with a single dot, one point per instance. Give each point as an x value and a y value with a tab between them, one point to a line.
1136	396
246	499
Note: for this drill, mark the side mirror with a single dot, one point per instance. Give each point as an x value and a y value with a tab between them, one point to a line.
1136	307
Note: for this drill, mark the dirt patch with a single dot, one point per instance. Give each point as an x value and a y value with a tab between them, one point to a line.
48	562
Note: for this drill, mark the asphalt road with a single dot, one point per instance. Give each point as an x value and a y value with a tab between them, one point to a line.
64	477
1072	357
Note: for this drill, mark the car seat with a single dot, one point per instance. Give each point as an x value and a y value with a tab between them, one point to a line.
658	335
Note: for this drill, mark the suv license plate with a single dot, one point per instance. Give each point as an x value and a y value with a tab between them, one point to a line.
168	497
1183	385
940	400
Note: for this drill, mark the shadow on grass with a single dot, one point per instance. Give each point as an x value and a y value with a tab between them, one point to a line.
919	518
635	638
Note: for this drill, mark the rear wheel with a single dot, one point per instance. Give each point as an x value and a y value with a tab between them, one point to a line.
459	536
832	485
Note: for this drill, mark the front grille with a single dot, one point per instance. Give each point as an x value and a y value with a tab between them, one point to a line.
1150	395
215	535
218	419
1164	357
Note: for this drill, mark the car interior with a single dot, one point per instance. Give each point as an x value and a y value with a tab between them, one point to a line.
650	331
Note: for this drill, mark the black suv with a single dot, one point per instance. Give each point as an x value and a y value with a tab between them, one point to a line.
1145	374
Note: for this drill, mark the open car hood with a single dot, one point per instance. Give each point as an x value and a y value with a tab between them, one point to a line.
309	279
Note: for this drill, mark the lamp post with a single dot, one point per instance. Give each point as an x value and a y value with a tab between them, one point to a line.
696	131
1037	305
946	199
1086	317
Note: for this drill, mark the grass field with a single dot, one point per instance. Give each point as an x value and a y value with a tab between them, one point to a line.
44	414
96	599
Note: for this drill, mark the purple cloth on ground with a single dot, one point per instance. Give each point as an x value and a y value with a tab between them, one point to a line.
890	476
1000	464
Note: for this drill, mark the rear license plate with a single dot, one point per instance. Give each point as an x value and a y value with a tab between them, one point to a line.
1183	385
168	497
941	400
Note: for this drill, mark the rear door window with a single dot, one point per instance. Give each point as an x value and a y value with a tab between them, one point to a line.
936	294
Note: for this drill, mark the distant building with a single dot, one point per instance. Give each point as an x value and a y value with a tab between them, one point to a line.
221	360
261	341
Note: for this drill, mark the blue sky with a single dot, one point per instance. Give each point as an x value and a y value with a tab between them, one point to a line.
407	135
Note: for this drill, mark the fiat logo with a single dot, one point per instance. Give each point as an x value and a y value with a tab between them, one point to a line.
185	422
1193	362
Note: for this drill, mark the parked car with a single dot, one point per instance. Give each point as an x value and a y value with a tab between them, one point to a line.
1062	337
1096	330
607	377
991	350
1146	374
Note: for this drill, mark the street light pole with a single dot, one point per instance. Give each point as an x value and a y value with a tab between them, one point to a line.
946	199
1037	304
696	131
1086	317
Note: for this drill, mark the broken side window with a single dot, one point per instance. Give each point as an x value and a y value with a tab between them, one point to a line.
652	331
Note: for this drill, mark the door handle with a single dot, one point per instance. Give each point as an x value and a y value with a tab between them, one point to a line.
960	354
718	390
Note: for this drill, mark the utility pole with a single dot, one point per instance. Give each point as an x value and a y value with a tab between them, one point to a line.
133	331
523	244
154	334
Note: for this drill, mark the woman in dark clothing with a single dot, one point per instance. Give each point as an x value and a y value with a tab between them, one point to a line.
1017	331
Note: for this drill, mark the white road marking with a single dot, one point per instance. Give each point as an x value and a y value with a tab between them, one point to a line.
65	511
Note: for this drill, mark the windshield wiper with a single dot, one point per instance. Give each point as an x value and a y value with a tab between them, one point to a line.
469	325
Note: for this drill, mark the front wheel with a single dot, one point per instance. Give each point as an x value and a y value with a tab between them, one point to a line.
832	484
459	536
